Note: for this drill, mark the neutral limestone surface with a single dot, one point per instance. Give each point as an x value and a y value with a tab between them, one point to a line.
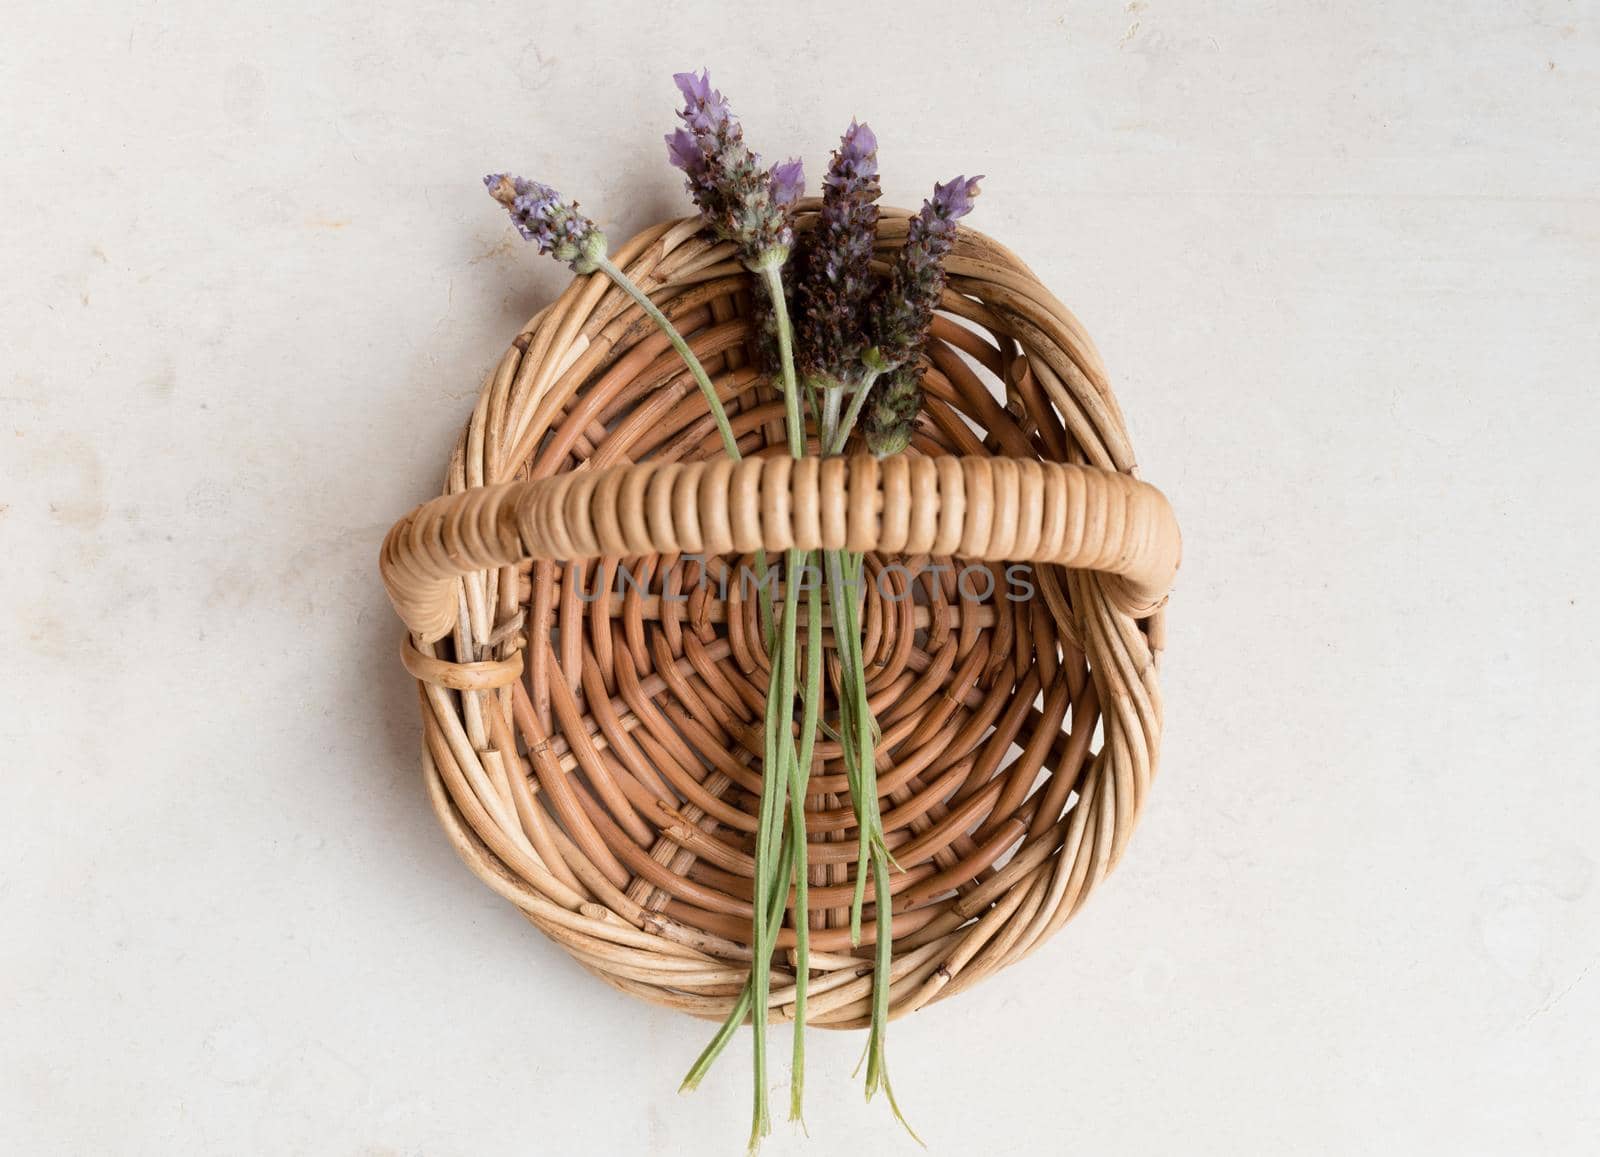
1344	263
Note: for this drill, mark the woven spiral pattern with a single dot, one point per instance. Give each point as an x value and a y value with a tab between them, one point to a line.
593	748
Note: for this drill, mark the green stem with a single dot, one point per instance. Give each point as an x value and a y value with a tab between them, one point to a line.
857	731
830	414
785	771
853	721
800	774
779	716
877	1059
781	768
844	631
741	1007
772	274
798	763
880	978
841	433
874	854
709	391
702	379
778	756
868	729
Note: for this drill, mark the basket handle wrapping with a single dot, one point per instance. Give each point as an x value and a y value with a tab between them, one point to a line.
998	509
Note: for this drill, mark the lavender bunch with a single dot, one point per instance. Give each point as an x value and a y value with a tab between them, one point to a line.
859	336
855	337
836	280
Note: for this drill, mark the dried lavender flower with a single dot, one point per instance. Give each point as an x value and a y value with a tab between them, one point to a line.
543	217
891	410
916	282
836	280
740	200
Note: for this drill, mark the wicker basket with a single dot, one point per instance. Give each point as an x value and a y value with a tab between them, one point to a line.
596	758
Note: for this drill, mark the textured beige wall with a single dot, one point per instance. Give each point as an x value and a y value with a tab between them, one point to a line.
1344	264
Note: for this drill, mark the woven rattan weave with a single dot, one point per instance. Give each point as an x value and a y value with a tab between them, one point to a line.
592	745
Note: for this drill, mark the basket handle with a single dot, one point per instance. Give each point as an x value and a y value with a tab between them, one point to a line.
1000	509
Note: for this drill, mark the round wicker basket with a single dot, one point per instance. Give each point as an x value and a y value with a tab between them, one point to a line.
594	753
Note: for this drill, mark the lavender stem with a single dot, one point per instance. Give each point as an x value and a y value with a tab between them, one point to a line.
702	379
842	431
771	271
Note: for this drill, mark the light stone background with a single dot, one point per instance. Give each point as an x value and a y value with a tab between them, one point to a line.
1344	263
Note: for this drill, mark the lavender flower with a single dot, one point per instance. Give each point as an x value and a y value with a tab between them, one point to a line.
916	281
891	410
740	200
788	182
706	112
836	266
683	151
543	217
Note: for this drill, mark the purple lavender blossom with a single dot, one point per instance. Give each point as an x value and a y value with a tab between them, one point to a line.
954	199
543	217
788	182
856	159
683	150
740	200
916	281
706	110
836	278
904	314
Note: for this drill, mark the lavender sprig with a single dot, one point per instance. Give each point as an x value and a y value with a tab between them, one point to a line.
542	216
753	207
835	280
740	200
891	386
553	224
904	313
916	281
852	342
744	203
